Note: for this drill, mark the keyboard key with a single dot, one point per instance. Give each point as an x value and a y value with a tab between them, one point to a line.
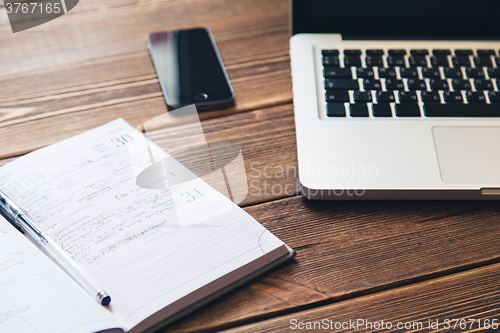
408	97
393	84
440	61
464	52
352	52
474	72
494	97
335	110
416	84
362	96
386	73
341	84
358	110
453	72
417	61
441	52
494	72
331	61
419	52
483	61
337	72
408	110
430	97
461	61
337	96
385	97
462	110
483	84
372	84
374	61
396	61
459	84
486	53
408	72
374	52
437	84
397	52
382	110
453	97
475	97
330	52
352	61
431	73
364	72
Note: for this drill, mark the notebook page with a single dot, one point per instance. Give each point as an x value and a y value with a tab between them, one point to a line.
37	297
147	248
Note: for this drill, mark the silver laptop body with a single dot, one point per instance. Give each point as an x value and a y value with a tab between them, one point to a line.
437	137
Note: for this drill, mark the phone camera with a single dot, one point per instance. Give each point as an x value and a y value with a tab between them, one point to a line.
201	97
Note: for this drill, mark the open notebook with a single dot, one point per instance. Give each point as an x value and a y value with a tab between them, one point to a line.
159	253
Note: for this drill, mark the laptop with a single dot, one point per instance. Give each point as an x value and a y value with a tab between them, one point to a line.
397	100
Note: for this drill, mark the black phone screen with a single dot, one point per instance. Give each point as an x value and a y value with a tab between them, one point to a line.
189	68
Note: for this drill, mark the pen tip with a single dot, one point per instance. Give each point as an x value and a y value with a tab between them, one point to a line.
106	300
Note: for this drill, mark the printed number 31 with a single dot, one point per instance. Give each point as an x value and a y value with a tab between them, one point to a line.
192	197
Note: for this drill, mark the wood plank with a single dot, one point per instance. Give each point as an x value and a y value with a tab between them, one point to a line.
266	138
96	28
347	249
117	79
49	82
472	297
256	59
23	137
7	160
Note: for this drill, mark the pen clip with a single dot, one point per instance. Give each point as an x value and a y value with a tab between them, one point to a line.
23	222
10	211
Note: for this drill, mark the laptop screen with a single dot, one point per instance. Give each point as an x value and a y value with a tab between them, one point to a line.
398	19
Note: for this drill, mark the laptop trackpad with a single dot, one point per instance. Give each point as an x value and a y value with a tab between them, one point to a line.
468	154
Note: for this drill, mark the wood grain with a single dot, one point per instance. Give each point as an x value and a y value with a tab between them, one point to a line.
97	28
266	138
125	86
396	261
349	249
473	297
129	77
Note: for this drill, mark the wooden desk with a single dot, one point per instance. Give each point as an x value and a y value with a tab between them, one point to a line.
391	261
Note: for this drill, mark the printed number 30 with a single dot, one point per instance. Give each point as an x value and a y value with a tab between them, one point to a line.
123	140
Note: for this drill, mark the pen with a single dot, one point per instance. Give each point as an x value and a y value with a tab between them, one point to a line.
22	221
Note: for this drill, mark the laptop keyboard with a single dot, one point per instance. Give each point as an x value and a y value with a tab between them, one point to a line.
430	83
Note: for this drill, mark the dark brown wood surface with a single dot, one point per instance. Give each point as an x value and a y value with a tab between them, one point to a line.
464	302
349	249
387	260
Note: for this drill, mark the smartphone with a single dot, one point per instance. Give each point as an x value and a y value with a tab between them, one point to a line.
190	69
